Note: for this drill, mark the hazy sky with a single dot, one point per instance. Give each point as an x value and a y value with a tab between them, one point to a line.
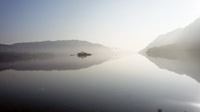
128	24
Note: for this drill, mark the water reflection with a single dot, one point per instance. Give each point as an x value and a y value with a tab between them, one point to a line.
126	84
51	62
181	63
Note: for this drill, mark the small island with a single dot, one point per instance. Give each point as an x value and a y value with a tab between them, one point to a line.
83	54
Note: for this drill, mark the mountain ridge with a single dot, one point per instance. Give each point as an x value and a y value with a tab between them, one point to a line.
59	46
185	38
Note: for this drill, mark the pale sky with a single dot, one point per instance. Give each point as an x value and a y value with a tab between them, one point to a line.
126	24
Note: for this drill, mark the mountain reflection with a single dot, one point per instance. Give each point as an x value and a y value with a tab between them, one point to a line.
47	62
181	63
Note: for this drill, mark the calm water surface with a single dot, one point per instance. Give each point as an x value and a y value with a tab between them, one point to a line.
131	83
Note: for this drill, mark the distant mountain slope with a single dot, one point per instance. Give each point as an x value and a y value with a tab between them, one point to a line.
187	38
52	55
177	51
166	39
65	46
3	45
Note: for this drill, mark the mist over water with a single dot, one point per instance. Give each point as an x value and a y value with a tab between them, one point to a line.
54	62
77	56
119	84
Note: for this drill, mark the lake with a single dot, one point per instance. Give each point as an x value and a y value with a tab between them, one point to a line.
132	83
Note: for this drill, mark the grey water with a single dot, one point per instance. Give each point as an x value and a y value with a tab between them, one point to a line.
132	83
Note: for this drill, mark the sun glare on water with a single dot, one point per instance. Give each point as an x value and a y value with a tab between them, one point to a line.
196	105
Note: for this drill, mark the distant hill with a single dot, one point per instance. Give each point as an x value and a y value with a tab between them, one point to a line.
177	51
182	39
57	47
52	55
